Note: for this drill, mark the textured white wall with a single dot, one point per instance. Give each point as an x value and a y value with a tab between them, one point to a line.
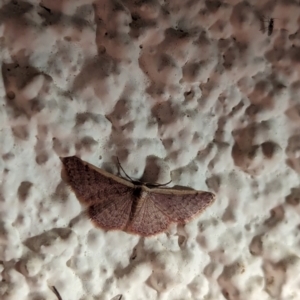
193	91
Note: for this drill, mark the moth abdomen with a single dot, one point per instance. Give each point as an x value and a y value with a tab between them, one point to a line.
137	194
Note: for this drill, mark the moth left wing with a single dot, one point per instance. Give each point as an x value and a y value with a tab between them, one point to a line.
112	213
90	184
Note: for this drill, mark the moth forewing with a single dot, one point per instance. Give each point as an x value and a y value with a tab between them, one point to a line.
121	180
174	191
181	205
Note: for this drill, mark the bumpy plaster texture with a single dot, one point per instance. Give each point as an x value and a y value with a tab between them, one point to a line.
193	91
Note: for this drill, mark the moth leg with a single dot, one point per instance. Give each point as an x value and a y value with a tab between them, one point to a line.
161	184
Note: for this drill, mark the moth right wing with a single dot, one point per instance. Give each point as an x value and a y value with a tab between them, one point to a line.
158	208
180	205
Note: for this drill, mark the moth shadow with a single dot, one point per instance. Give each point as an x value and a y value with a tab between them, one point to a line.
182	188
154	166
154	169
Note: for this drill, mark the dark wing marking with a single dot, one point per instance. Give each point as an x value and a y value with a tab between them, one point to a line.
181	206
90	185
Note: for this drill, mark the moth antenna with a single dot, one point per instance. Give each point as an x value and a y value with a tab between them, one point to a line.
55	291
123	170
162	184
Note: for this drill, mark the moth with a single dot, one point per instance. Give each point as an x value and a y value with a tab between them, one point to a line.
115	203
